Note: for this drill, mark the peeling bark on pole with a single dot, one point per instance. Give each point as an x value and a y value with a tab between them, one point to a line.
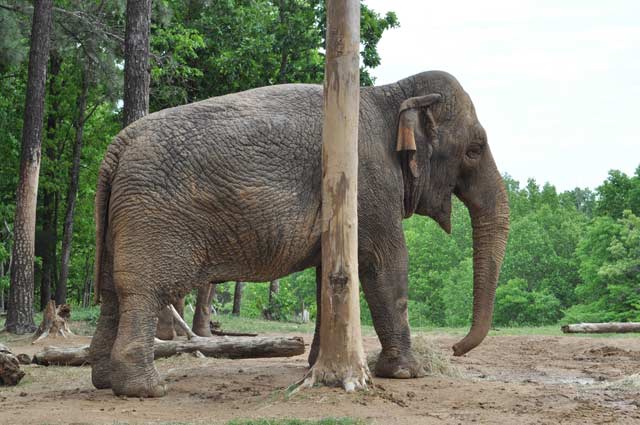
341	360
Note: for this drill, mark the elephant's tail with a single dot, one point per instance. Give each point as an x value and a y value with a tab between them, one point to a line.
101	213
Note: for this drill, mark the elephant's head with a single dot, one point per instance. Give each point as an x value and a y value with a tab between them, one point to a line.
444	151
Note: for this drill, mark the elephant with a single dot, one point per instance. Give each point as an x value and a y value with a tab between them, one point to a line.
229	188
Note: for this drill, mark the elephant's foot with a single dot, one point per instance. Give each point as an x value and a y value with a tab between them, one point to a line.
132	370
393	364
101	374
134	380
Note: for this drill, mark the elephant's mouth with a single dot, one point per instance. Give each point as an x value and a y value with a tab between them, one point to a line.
442	213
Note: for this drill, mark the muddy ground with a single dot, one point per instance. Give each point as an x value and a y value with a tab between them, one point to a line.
507	380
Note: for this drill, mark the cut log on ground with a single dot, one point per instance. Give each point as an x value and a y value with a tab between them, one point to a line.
10	373
234	347
63	356
600	328
54	321
220	347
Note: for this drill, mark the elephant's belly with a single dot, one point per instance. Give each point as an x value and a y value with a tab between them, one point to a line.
263	249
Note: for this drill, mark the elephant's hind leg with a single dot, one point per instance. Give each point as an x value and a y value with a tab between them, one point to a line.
133	372
102	341
106	331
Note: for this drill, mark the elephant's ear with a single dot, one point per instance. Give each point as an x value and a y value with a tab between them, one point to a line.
411	137
410	130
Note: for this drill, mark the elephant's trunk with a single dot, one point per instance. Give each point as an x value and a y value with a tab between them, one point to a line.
489	209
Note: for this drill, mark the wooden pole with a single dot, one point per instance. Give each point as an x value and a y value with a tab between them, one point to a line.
341	360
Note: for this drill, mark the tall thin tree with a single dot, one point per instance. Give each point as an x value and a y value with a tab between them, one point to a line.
74	177
136	60
237	298
20	312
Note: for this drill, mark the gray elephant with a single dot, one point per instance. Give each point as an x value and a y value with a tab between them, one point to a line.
229	189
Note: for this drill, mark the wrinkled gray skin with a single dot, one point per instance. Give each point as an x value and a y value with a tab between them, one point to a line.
229	189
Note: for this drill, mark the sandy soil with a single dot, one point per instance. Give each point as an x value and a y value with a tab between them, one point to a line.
507	380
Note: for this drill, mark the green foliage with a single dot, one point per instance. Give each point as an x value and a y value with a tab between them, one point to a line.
610	268
573	253
516	304
199	49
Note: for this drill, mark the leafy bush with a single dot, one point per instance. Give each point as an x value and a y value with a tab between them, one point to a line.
517	305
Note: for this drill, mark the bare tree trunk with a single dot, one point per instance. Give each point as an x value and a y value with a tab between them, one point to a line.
270	312
284	51
1	289
88	282
274	288
237	299
202	315
136	60
624	327
20	314
72	192
341	360
49	236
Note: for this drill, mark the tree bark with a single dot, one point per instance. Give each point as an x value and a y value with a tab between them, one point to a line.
274	289
1	289
341	360
72	192
270	312
237	298
49	235
136	60
20	314
10	373
601	328
202	315
284	51
220	347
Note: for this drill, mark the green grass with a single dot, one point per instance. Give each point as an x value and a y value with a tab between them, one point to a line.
327	421
84	321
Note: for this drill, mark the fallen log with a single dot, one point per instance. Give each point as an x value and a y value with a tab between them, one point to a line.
10	373
601	328
220	347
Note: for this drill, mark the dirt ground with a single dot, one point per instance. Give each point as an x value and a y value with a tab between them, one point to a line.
507	380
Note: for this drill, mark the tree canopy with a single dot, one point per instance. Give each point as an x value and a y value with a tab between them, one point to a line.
571	256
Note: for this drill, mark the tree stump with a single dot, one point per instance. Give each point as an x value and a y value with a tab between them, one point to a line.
54	322
10	373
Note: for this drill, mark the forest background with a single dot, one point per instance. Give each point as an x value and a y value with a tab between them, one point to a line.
572	256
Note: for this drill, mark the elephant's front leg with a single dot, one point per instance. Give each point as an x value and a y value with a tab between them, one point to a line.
384	281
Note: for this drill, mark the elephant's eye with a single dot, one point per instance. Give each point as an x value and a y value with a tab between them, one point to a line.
474	151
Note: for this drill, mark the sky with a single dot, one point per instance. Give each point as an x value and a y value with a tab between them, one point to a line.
556	84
